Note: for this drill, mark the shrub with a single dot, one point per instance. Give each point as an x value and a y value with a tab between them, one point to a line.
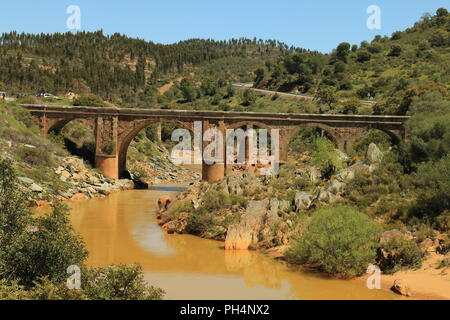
395	51
35	156
215	200
400	254
324	155
351	106
47	250
199	221
90	100
118	282
338	240
363	56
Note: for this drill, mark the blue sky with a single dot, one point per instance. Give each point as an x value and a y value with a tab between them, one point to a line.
316	24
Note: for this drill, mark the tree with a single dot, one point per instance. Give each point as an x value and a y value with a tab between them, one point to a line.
48	249
32	247
440	38
249	97
342	51
188	89
327	96
259	75
363	56
351	106
395	51
441	12
339	67
397	35
339	240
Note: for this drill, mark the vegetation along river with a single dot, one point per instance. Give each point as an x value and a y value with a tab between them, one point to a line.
122	229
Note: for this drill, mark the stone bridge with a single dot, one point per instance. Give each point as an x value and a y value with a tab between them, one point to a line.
115	128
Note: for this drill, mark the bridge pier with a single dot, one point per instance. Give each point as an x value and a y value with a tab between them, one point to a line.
216	171
108	165
106	145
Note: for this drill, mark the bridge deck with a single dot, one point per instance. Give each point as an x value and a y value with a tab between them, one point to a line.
216	115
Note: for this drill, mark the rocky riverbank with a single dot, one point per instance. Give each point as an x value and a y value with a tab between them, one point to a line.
247	211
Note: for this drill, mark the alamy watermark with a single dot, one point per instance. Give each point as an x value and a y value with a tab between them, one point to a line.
374	281
73	22
249	147
374	20
74	281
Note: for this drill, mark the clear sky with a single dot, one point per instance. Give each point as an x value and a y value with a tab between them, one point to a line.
316	24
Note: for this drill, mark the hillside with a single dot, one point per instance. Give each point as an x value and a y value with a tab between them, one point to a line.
119	69
391	70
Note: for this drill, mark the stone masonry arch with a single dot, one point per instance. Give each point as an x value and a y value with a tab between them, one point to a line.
128	130
116	127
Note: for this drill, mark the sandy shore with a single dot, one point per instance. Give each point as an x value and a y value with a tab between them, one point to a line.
427	283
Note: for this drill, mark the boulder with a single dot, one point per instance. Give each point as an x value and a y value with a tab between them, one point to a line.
346	174
341	155
242	235
164	202
36	188
402	288
77	197
234	185
65	174
272	215
313	173
303	200
175	226
25	180
335	186
427	245
324	196
374	154
390	235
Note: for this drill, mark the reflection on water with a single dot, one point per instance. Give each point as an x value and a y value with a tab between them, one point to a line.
122	229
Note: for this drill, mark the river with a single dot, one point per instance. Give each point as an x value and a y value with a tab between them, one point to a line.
122	229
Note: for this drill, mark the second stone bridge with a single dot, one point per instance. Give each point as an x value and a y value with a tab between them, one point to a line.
115	128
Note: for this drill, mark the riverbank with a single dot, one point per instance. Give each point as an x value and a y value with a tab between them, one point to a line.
122	229
426	283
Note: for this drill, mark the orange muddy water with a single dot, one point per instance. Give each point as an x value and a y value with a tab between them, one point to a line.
122	229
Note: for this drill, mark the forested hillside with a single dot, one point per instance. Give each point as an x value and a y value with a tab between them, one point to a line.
391	70
114	67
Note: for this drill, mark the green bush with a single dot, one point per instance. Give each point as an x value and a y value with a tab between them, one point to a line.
199	221
48	250
324	155
35	156
35	253
118	282
401	254
216	200
90	100
338	240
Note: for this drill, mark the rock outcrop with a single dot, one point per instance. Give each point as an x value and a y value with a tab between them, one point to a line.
402	288
245	233
373	154
163	203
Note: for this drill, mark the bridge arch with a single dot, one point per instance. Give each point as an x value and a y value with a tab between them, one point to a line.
331	132
395	135
131	130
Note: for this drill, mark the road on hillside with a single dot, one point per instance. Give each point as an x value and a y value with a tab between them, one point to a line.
285	94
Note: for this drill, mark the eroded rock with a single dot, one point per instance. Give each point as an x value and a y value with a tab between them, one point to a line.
402	288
